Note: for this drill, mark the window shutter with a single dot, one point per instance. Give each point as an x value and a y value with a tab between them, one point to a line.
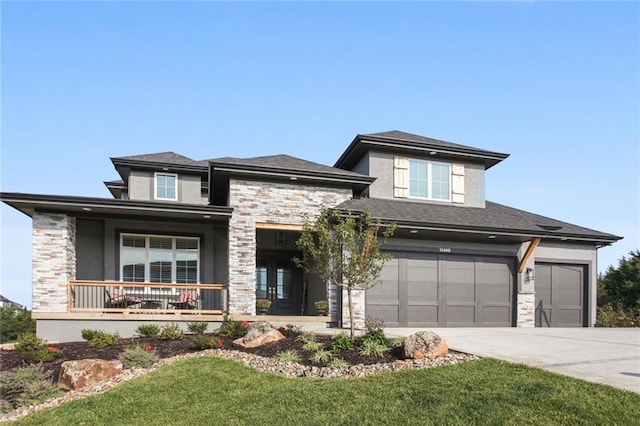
400	177
457	183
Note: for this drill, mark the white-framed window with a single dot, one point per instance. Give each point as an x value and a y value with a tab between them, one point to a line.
159	259
166	186
429	180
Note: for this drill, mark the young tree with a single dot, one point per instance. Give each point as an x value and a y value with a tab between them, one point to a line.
344	249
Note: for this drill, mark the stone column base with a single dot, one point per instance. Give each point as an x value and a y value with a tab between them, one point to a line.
526	309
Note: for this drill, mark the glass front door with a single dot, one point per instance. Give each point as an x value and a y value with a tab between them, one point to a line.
280	281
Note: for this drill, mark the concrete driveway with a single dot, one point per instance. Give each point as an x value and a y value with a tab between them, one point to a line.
601	355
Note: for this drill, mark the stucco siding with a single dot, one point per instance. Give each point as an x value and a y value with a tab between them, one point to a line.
190	190
474	185
142	186
381	167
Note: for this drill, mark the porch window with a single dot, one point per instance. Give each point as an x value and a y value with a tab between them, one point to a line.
159	259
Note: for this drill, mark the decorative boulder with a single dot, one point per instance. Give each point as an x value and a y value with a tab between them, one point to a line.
77	374
425	344
260	333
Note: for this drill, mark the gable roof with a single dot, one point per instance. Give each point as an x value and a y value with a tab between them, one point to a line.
408	144
493	219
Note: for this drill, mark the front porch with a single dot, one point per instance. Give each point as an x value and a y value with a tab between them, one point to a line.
118	297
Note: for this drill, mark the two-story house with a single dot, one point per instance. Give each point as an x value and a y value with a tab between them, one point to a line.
183	239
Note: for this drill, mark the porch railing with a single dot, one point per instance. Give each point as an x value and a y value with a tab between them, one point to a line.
146	298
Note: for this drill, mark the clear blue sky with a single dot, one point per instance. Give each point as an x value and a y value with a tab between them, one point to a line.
556	85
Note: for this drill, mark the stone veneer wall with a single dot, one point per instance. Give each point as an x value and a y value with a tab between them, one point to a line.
54	260
358	297
526	310
267	202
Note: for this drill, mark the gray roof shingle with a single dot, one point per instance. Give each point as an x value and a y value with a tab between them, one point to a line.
409	144
396	135
494	218
285	163
168	157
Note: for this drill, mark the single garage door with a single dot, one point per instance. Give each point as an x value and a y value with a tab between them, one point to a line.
560	291
422	289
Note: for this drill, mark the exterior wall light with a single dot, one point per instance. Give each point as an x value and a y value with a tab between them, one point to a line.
529	275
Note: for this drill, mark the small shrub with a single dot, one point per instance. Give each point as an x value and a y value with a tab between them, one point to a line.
202	342
340	343
373	348
102	339
289	330
614	316
148	330
312	346
374	324
263	303
306	337
44	354
171	332
321	305
25	386
34	348
374	332
320	356
138	356
398	342
339	364
233	329
88	334
197	327
290	355
29	342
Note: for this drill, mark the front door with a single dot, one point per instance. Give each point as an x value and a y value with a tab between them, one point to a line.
279	280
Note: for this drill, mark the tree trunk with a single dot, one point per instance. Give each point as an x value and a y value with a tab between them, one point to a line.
351	325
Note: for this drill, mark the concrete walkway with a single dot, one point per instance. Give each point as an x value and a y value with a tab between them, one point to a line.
601	355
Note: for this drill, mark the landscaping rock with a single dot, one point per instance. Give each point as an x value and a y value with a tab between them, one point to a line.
77	374
425	345
260	333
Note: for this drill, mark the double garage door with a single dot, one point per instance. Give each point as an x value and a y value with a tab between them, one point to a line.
424	289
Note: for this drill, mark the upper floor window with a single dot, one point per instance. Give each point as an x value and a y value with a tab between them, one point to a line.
166	186
430	180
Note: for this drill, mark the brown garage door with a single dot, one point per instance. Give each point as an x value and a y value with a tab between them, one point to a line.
420	289
560	293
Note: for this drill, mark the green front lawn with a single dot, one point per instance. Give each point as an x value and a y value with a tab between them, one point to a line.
216	391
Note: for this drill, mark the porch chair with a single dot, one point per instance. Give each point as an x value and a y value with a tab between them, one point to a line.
117	298
186	300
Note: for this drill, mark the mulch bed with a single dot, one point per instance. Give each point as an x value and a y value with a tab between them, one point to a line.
12	359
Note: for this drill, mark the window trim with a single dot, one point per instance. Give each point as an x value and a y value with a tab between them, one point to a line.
429	180
147	263
155	185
